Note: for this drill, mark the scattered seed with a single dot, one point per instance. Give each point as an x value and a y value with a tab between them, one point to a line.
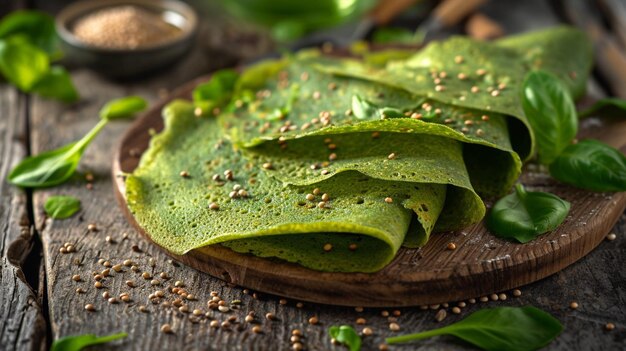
146	275
495	93
352	247
462	304
367	331
321	204
249	319
296	332
358	309
384	313
439	88
573	305
154	282
609	326
166	328
109	240
383	347
267	165
484	299
98	285
394	326
112	300
257	329
494	297
458	59
76	277
471	300
475	89
80	290
456	310
502	296
125	297
92	227
130	283
106	295
441	315
611	237
223	309
89	307
517	293
481	72
214	206
451	246
117	267
297	346
313	320
388	200
397	313
328	247
325	197
270	316
361	321
375	135
391	156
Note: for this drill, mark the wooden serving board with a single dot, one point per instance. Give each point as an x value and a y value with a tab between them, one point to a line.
481	264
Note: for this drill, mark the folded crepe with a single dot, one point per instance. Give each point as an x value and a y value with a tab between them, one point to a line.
401	149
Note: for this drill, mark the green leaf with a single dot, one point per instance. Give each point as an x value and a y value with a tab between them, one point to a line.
123	108
606	107
345	334
525	215
387	35
496	329
364	109
37	27
218	89
591	165
57	84
78	342
551	113
61	207
22	64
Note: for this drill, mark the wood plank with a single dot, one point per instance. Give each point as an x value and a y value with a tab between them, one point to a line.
22	326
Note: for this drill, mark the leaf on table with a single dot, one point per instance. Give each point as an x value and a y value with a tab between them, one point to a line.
61	207
78	342
22	64
57	84
346	335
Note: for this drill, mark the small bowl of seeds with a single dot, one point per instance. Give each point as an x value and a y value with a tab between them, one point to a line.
126	38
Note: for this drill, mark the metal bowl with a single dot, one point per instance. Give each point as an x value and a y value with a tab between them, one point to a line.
127	63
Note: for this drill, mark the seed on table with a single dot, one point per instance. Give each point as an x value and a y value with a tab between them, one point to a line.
184	308
611	237
297	346
394	326
456	310
107	264
105	272
155	282
249	319
89	307
494	297
125	298
270	316
388	200
80	290
166	328
383	347
190	297
180	284
223	309
313	320
134	268
257	329
146	275
361	321
384	313
98	285
76	277
367	331
214	324
502	296
112	300
441	315
573	305
609	326
451	246
282	301
117	267
130	283
128	263
92	227
159	293
163	275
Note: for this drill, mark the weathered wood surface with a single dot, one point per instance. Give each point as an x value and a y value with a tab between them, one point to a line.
596	282
481	264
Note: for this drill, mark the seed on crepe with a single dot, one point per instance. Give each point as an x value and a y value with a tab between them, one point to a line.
462	76
440	88
375	135
475	89
458	59
481	72
310	197
328	247
388	200
184	174
214	206
325	197
352	247
391	156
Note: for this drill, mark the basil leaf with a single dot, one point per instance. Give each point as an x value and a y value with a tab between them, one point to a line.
57	166
525	215
345	334
606	107
362	109
495	329
78	342
57	84
591	165
218	89
551	113
37	27
61	207
388	35
123	108
22	64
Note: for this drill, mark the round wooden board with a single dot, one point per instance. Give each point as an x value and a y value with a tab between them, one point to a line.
482	264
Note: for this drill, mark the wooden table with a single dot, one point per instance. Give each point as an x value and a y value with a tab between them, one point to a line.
38	302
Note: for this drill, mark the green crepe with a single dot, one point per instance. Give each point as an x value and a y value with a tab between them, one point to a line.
276	220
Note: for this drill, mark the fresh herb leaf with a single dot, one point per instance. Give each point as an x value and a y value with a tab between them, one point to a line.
363	109
57	84
388	35
123	108
524	215
218	89
78	342
61	207
495	329
590	164
345	334
57	166
606	107
37	27
551	113
22	64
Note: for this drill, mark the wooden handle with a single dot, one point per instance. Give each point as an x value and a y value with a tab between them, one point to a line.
386	10
451	12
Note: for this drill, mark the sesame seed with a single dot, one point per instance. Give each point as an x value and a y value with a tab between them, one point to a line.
501	86
611	237
397	313
328	247
388	200
296	332
445	305
367	331
76	277
383	347
197	312
297	346
573	305
316	191
125	298
106	295
92	227
461	304
394	326
146	275
391	156
299	305
358	309
214	324
416	115
214	206
117	267
441	315
361	321
109	240
154	282
310	197
295	338
313	320
609	326
456	310
451	246
112	300
472	300
179	284
166	328
143	309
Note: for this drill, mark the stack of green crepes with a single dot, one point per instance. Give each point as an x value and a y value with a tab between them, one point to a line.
335	163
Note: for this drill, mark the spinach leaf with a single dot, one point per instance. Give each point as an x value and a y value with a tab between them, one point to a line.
551	113
388	35
57	166
78	342
606	107
123	108
22	64
56	83
495	329
591	165
61	207
37	27
345	334
362	109
218	89
525	215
